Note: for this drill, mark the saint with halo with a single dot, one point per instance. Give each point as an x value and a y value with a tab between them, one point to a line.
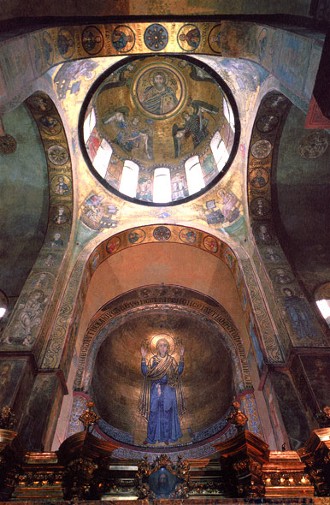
161	401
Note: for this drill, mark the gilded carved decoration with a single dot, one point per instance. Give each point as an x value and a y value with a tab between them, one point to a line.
163	479
83	470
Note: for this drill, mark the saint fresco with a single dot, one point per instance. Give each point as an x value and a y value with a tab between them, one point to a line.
155	111
162	399
149	380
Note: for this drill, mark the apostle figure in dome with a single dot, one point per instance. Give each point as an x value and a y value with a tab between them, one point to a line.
161	401
195	125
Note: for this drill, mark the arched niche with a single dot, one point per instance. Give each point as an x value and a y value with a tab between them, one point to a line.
109	366
24	199
43	198
163	255
280	183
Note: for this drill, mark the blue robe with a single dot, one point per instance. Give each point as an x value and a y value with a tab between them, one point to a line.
162	382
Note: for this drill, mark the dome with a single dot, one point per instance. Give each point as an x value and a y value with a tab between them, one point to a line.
159	130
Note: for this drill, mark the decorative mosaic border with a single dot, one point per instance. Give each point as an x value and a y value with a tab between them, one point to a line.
38	298
262	161
167	297
58	352
33	54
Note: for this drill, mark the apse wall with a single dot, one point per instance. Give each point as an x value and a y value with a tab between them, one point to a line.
168	264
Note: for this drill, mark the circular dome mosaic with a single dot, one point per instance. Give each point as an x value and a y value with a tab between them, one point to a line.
159	130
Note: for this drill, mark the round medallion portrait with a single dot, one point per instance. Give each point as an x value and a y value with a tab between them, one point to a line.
153	126
211	244
313	145
48	52
123	38
260	207
261	149
113	245
40	103
267	123
65	43
92	40
189	37
215	39
136	236
187	235
159	91
259	178
276	102
50	125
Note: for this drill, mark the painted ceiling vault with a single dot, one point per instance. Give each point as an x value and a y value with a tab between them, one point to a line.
159	129
146	163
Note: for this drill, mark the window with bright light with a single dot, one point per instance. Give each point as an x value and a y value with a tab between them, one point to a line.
219	151
102	158
3	304
129	179
89	124
194	175
162	185
324	308
170	157
228	113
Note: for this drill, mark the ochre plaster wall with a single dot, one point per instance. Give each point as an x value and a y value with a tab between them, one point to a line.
163	263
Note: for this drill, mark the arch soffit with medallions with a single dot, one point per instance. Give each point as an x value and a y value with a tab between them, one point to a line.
46	48
71	309
167	236
42	280
262	202
75	296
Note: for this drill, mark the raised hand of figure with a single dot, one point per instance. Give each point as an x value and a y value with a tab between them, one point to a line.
182	351
143	352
